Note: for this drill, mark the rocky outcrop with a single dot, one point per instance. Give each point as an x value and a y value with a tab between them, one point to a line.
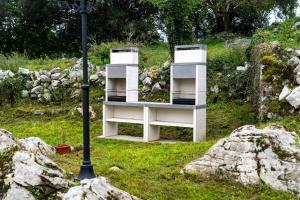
26	173
279	80
25	167
95	189
251	155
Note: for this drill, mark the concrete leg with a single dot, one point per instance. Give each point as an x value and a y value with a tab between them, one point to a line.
109	128
199	132
151	132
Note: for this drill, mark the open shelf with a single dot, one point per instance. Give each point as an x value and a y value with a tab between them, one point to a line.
175	124
126	120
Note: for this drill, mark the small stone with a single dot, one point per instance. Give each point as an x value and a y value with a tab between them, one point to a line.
156	88
115	169
297	69
24	93
94	78
147	81
45	79
241	68
55	76
275	44
24	71
55	83
37	89
297	52
47	97
55	70
298	78
76	94
294	61
162	83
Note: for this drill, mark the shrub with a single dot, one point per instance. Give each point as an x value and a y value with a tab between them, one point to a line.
11	88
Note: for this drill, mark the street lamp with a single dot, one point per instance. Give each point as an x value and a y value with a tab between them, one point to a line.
86	169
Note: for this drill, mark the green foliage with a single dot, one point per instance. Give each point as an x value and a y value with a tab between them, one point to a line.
43	28
281	32
269	60
11	89
222	72
238	16
175	16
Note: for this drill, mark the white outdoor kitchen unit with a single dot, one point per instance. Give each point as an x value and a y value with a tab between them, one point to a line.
188	95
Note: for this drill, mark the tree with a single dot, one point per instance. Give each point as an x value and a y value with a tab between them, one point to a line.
246	14
40	28
175	16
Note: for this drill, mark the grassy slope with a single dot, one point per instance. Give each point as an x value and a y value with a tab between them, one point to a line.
150	171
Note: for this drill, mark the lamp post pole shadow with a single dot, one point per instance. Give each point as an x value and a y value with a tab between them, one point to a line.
86	169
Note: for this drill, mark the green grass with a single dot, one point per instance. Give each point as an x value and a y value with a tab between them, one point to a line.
15	61
150	55
149	171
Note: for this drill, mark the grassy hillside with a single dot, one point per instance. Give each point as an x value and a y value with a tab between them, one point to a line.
150	55
150	171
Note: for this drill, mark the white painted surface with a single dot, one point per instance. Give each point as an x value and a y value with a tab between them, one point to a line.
190	56
124	58
132	84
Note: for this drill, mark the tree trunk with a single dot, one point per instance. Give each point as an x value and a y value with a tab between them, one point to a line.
227	22
220	24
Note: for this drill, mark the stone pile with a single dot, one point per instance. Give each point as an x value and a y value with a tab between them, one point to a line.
252	155
43	85
156	78
27	173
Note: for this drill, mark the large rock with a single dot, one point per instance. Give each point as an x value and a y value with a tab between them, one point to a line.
95	189
294	98
25	167
7	141
36	145
284	93
251	155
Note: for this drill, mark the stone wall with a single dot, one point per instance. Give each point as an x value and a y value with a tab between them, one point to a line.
279	80
50	85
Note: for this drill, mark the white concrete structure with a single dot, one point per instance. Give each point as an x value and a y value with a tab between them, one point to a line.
124	56
188	78
122	76
188	98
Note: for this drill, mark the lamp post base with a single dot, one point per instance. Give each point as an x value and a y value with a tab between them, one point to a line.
86	172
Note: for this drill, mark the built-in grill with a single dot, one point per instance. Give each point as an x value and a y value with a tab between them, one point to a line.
188	75
122	75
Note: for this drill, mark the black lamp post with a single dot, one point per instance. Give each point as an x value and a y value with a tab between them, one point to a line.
86	169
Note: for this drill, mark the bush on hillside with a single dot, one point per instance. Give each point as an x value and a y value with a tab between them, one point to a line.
11	89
